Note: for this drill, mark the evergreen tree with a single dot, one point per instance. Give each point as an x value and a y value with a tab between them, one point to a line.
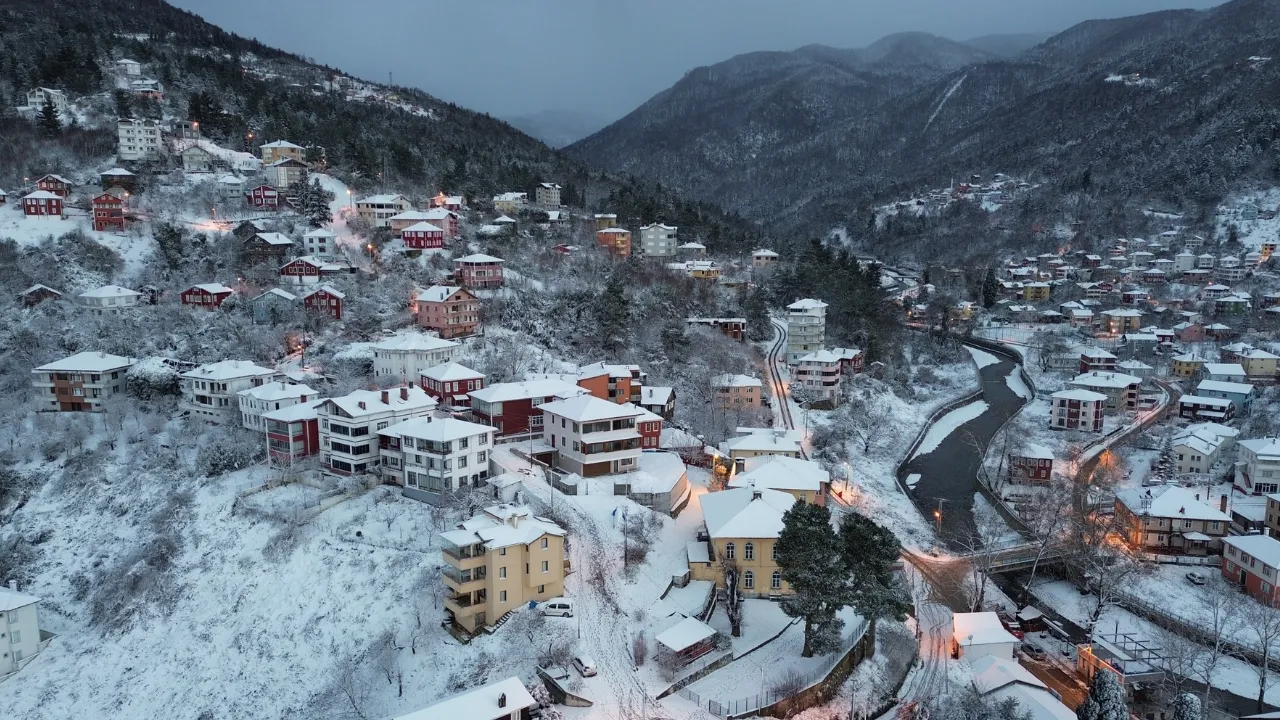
613	314
990	289
816	574
756	311
1105	701
50	123
674	341
1185	707
124	109
314	201
869	552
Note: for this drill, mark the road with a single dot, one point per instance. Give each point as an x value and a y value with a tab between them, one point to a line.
774	362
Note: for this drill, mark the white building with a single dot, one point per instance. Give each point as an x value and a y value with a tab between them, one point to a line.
137	139
80	382
349	425
1197	447
547	194
231	188
806	328
210	392
321	243
756	442
125	66
377	210
504	700
980	634
998	680
591	436
257	401
818	375
37	97
1258	466
404	357
430	457
657	240
20	638
108	300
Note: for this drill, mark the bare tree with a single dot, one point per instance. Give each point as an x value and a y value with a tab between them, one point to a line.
350	687
1263	623
733	600
1220	604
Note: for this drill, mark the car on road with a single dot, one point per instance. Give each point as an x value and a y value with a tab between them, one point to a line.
561	607
1032	652
1196	578
585	666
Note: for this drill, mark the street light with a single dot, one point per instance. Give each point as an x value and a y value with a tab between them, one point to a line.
937	516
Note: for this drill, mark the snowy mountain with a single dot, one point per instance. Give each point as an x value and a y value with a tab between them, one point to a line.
558	128
803	140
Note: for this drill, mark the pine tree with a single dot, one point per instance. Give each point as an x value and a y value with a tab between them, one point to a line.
1185	707
990	289
50	123
314	201
869	552
1106	699
613	315
673	339
816	575
124	109
756	311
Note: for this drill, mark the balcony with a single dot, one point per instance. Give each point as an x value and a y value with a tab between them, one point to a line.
460	603
464	558
465	581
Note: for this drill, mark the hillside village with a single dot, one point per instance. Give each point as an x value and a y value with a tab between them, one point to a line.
288	440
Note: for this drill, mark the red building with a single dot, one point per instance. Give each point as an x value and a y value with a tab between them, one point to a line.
208	295
42	203
1251	562
1031	465
55	184
512	407
324	299
650	427
423	236
108	213
263	196
37	294
478	271
303	270
449	383
293	432
1096	360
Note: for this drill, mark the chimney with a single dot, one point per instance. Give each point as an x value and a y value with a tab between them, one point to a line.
362	406
404	393
386	398
13	585
1222	503
502	700
756	495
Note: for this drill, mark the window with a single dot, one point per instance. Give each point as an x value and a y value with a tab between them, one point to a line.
542	589
546	567
502	572
502	597
729	551
774	552
502	551
481	456
748	580
545	543
749	551
775	580
15	637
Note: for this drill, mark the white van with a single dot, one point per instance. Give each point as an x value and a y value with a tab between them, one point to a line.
562	607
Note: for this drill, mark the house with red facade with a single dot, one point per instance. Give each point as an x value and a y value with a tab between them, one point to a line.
1031	464
450	310
324	299
108	213
1252	562
263	196
450	382
650	426
309	270
422	236
512	407
478	271
1077	409
1093	359
293	432
208	295
42	203
55	184
272	247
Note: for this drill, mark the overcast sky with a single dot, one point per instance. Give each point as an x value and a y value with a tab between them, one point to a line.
509	57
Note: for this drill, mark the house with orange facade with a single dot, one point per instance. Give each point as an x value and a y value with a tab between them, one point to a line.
450	310
615	240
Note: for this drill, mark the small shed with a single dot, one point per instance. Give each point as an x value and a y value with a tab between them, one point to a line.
685	642
980	634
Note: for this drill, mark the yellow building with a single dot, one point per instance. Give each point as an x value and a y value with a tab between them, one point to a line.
804	480
499	560
737	392
743	525
1036	292
282	150
1186	365
1259	365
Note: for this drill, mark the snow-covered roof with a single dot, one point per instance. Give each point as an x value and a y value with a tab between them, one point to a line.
273	238
691	246
436	429
765	440
502	526
745	512
979	628
87	362
821	357
12	599
116	172
806	304
1034	450
655	395
613	231
227	370
438	293
1133	365
478	704
503	220
510	196
1122	312
38	287
1232	369
414	342
736	381
778	472
212	288
233	180
1203	400
277	292
423	227
52	176
418	399
697	552
764	253
479	258
1170	501
321	233
294	413
1263	547
510	391
1265	447
450	372
684	634
999	679
328	289
1094	353
283	144
1105	380
588	408
1256	354
1224	387
1079	394
385	199
41	195
270	392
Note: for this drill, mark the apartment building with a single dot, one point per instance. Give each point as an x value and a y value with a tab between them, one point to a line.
1077	409
615	240
1198	447
257	401
449	383
431	457
321	244
658	240
591	437
20	636
377	210
137	139
1120	320
1171	518
108	300
1252	562
1121	389
405	356
478	271
806	328
293	432
211	392
282	150
498	561
737	392
818	375
1258	466
510	203
743	525
80	383
349	425
764	259
515	408
613	382
805	480
547	194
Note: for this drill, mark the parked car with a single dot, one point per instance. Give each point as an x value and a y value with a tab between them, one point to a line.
561	607
1033	652
1196	578
585	666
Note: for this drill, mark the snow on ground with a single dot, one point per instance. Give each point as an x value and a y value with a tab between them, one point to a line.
948	424
1017	385
1233	675
981	358
761	620
1252	233
133	248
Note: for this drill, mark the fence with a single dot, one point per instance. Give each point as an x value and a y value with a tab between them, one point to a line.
1190	629
752	703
